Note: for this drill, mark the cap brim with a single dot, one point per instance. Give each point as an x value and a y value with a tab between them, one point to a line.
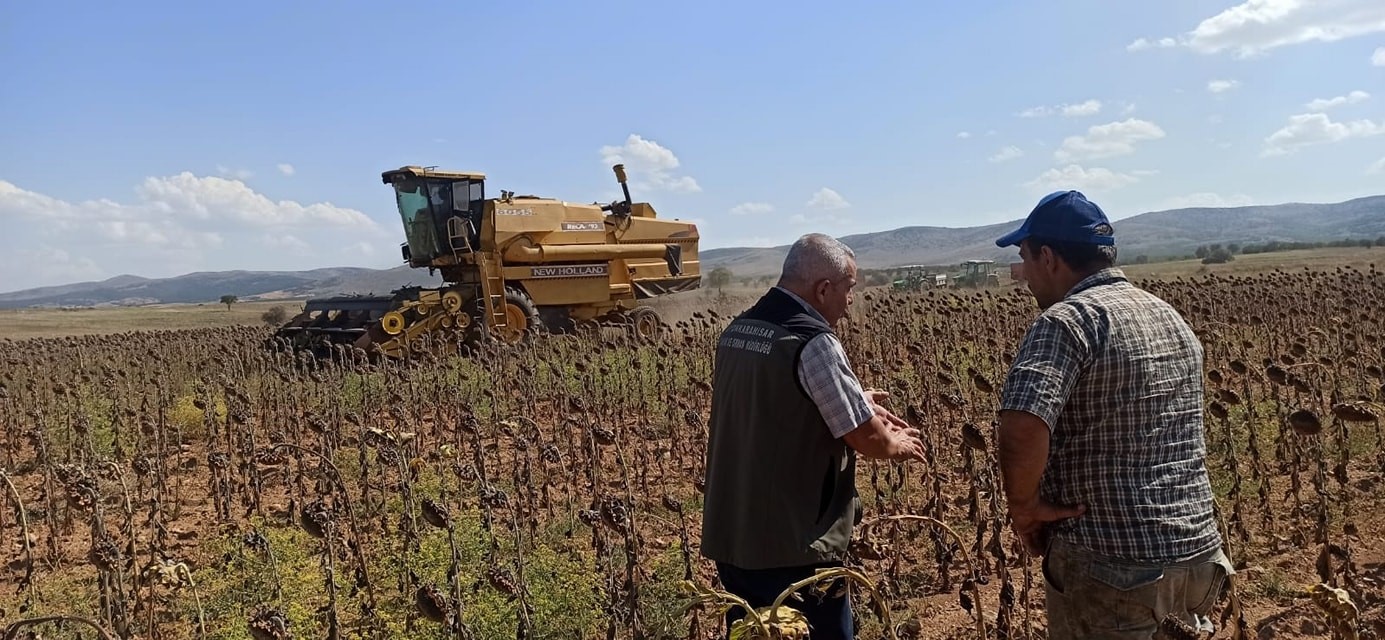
1013	238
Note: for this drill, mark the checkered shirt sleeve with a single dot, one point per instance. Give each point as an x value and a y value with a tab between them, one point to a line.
1046	368
825	374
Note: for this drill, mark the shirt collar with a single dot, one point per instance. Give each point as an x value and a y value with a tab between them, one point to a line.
1104	276
809	307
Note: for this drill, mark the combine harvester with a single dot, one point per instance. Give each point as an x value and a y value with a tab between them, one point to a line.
511	266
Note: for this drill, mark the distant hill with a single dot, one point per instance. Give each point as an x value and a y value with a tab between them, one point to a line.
210	286
1156	234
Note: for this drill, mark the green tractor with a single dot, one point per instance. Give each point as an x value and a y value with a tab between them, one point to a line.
917	278
977	274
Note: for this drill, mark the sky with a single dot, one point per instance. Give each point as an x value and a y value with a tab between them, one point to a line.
161	138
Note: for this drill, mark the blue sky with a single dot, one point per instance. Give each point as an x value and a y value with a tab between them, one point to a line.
160	138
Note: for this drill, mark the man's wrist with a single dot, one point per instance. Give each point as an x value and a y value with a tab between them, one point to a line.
1022	502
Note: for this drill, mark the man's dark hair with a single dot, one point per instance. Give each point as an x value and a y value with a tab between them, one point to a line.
1083	257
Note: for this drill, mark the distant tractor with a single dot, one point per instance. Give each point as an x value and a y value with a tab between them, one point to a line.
977	274
918	278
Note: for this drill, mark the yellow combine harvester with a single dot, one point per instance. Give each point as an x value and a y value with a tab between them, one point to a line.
511	266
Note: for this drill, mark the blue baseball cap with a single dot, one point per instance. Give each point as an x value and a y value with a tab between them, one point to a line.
1063	216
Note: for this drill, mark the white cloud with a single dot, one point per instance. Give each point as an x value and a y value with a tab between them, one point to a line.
1306	129
207	198
286	243
1256	26
1205	200
1087	108
183	222
1143	43
1129	109
827	200
285	168
751	208
59	266
1077	177
1322	104
1107	140
1378	58
1376	167
963	134
650	164
238	174
1008	153
1222	86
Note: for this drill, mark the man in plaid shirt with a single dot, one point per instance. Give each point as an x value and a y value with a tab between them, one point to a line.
1101	438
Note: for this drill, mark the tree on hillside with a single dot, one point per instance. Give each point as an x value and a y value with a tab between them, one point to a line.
719	278
1201	252
1219	255
229	300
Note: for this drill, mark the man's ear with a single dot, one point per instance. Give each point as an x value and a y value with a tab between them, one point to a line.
1047	258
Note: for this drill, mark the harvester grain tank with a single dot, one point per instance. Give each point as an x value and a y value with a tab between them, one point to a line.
511	266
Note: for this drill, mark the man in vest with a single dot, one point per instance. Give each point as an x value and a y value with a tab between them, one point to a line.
788	417
1101	438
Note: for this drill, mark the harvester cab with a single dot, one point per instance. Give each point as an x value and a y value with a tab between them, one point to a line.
442	212
511	266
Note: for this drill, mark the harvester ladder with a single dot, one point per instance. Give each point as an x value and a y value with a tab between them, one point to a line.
492	290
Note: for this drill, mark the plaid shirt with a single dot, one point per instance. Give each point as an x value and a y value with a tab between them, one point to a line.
823	371
1116	374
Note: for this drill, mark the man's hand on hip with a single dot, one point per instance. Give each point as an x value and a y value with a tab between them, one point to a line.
1028	521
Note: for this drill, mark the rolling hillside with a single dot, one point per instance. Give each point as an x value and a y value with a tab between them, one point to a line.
1160	233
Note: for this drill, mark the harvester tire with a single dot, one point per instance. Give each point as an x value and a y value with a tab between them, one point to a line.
519	308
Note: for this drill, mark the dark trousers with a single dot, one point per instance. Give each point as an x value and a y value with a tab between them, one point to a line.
828	618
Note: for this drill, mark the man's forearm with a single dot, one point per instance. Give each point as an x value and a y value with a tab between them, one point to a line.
1023	444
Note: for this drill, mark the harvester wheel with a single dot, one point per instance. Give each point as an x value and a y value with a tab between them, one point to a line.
392	322
521	320
521	317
